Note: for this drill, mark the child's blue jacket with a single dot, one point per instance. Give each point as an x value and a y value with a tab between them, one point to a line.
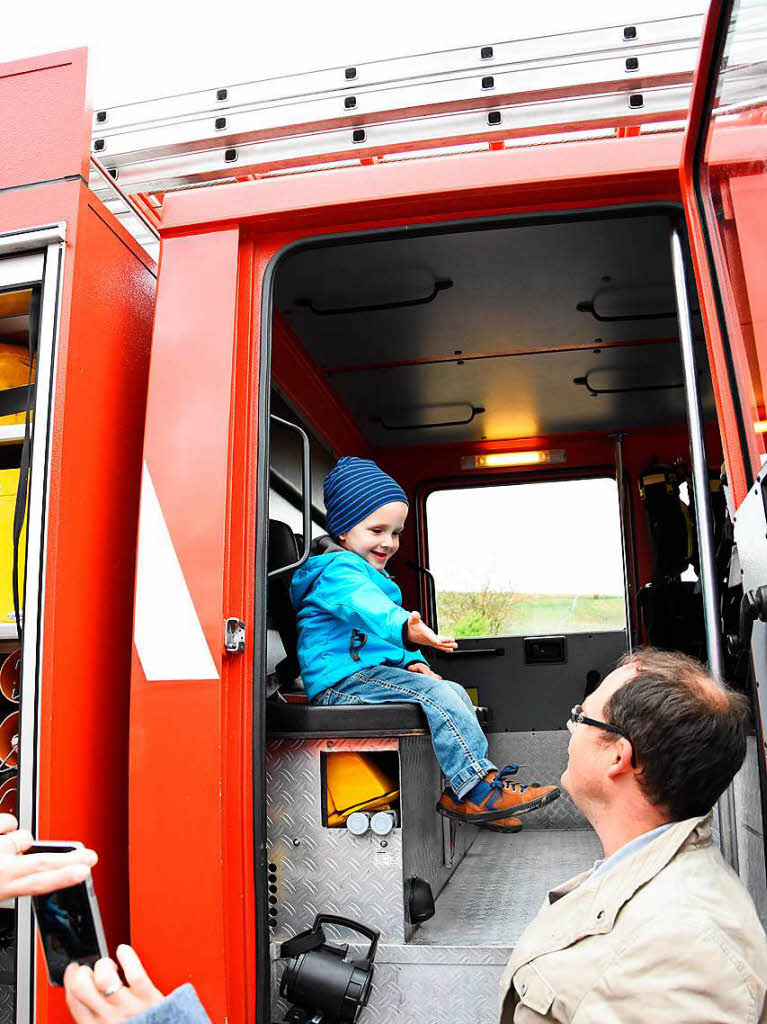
350	616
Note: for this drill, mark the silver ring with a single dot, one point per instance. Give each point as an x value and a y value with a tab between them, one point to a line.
112	990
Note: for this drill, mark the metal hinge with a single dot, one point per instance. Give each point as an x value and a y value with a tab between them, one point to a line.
234	636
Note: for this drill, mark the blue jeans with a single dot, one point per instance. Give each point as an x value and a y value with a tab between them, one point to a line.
459	743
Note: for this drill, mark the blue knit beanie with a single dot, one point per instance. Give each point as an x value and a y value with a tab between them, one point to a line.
353	489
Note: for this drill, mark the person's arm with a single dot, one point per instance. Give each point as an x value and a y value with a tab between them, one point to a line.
673	970
99	997
182	1006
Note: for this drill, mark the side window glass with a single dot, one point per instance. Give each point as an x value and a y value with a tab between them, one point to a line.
527	558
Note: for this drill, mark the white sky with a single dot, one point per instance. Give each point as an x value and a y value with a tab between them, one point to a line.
558	537
142	49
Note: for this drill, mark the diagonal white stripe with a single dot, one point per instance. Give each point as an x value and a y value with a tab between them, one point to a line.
167	631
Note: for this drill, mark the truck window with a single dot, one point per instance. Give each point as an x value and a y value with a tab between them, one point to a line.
527	558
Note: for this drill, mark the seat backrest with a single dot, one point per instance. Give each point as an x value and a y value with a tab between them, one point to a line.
282	550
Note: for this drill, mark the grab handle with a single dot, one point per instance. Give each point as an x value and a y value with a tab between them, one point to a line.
306	484
431	592
354	926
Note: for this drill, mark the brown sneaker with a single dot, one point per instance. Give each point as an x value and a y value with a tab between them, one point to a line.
497	798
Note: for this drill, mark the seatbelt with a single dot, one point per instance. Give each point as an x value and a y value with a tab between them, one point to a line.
26	450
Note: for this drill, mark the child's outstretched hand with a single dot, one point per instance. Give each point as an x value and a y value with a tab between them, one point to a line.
418	633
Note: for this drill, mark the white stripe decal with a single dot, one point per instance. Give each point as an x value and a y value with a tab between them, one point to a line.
168	634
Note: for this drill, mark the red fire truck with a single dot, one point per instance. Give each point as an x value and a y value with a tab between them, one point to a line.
528	279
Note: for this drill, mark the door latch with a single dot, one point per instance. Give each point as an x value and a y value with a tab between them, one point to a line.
234	636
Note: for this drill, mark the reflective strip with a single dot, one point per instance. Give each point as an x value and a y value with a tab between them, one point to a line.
167	632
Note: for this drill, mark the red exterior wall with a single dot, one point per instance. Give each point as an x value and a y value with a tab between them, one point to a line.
104	330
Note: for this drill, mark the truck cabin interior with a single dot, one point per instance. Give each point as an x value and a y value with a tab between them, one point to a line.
501	372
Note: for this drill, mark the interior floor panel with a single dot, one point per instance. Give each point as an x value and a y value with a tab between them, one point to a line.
501	883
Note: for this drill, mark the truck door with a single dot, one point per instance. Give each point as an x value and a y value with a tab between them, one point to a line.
190	810
724	187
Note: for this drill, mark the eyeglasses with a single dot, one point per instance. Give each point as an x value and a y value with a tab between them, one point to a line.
578	718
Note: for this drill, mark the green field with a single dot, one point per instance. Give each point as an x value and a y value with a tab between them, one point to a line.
499	613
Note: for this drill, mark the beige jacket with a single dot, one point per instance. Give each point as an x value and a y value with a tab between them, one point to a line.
669	936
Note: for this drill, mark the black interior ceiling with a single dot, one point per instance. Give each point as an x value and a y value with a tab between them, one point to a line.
501	330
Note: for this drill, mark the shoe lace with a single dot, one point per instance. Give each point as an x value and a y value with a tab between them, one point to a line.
502	779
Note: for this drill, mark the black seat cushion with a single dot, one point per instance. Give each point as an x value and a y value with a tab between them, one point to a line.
307	720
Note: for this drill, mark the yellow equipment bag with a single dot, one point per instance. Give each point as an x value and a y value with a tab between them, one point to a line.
355	783
9	483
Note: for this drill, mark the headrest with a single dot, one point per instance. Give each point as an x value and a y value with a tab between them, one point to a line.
282	545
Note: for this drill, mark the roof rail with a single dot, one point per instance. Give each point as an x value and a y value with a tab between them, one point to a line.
628	74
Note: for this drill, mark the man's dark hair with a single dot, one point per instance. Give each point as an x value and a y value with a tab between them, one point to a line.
688	732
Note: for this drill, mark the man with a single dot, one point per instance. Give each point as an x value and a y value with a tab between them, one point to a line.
661	930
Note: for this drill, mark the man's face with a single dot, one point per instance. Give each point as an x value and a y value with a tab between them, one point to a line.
376	538
592	750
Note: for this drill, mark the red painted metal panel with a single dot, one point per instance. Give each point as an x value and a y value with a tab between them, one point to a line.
45	123
94	478
294	372
541	177
179	760
725	398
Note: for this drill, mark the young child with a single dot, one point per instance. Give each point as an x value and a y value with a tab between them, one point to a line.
358	645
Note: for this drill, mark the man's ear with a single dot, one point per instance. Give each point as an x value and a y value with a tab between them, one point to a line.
623	758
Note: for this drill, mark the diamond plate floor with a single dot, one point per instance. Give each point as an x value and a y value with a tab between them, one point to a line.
501	884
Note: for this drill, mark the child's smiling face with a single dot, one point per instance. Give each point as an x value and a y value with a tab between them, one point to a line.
376	538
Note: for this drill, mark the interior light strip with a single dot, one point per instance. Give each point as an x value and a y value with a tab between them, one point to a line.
499	460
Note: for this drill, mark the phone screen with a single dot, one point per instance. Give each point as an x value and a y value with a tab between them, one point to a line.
65	919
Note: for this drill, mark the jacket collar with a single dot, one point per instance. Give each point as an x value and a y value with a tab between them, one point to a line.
618	886
593	909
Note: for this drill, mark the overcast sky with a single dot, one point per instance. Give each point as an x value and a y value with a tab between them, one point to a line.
143	49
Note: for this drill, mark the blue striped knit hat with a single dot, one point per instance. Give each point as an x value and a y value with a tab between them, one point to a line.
353	489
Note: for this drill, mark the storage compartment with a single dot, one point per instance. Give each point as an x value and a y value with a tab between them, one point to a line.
362	784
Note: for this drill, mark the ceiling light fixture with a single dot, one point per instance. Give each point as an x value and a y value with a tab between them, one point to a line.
499	460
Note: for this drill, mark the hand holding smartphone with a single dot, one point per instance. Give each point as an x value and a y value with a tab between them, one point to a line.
68	920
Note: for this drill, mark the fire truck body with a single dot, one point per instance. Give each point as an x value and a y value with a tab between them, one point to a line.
435	311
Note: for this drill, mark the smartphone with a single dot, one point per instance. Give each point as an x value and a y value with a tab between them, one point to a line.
68	920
